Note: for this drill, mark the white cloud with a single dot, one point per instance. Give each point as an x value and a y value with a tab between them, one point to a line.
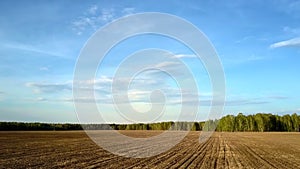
81	24
128	11
49	87
31	48
234	60
287	43
100	81
101	85
246	102
139	91
86	100
254	58
1	96
107	15
92	19
246	38
166	64
218	102
185	56
278	97
93	9
41	99
293	31
44	68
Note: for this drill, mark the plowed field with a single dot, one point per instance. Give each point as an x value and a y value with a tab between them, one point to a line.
223	150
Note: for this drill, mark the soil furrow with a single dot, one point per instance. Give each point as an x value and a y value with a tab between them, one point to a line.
221	150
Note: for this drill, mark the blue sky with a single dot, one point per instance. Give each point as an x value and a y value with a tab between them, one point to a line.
258	43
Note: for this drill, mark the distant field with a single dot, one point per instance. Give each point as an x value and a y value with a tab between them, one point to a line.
74	149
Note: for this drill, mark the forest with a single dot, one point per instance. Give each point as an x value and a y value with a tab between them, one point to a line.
260	122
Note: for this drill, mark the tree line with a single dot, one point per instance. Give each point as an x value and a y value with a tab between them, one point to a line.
11	126
259	123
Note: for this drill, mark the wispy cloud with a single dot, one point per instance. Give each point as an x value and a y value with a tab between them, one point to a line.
141	93
288	7
245	102
70	99
81	24
128	11
48	87
254	58
41	99
86	100
1	95
44	68
242	60
293	8
246	38
101	84
237	101
288	43
93	9
232	103
107	15
166	64
94	17
31	48
184	56
287	111
278	97
291	31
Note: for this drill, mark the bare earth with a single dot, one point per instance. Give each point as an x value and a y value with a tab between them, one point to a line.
74	149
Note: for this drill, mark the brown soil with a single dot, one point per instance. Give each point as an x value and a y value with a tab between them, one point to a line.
74	149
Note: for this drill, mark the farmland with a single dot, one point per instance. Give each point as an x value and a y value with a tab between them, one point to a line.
74	149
